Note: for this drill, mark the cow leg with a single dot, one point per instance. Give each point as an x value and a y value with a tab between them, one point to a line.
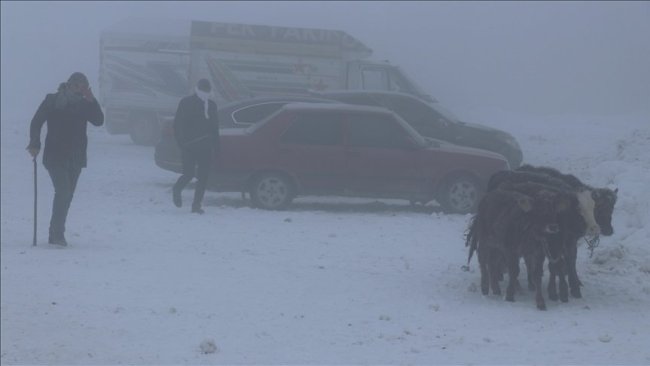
538	260
516	277
512	261
552	288
574	281
529	273
483	264
564	288
495	269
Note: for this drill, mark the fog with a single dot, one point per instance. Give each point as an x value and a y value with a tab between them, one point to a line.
526	57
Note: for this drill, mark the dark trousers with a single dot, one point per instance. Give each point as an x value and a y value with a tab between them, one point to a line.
64	177
195	163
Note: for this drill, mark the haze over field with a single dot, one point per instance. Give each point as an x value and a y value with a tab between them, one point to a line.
331	280
529	57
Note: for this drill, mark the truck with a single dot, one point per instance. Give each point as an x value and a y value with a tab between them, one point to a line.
147	66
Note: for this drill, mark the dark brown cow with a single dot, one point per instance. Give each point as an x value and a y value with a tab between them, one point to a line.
573	229
487	231
512	222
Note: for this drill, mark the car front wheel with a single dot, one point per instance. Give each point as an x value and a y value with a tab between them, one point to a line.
271	191
460	195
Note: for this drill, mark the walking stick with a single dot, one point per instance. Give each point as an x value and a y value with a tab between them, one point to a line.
35	196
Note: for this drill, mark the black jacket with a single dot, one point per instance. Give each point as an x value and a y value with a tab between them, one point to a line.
66	138
191	129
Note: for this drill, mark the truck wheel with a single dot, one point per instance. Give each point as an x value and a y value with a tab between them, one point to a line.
460	195
144	129
271	191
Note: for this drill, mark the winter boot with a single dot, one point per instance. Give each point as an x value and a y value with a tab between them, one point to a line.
58	240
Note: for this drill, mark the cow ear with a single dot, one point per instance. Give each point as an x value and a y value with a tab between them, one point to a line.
525	203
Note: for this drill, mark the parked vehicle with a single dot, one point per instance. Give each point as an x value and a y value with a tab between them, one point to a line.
143	71
243	113
240	114
347	150
431	119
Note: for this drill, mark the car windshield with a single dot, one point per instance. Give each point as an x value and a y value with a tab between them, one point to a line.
444	111
403	83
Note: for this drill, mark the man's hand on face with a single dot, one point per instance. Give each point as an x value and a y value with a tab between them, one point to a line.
88	94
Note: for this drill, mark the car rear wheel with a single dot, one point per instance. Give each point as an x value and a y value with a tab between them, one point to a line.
272	191
460	195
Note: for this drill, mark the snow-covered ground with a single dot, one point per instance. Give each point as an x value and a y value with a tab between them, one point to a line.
330	281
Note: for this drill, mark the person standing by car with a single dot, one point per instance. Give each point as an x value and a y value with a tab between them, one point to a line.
196	129
66	112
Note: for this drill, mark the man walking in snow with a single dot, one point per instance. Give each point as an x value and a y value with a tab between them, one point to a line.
66	112
196	129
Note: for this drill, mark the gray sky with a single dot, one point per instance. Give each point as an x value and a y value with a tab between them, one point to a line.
528	57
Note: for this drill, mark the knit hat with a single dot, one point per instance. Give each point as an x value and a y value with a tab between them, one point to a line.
204	85
78	78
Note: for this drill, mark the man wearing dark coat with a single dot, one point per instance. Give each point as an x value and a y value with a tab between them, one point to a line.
66	112
196	129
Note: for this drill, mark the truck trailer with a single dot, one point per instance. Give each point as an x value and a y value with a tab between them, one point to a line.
147	66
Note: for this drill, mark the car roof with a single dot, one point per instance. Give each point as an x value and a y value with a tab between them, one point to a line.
288	99
335	106
345	92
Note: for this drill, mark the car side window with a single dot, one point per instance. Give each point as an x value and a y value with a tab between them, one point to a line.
314	128
422	118
375	130
255	113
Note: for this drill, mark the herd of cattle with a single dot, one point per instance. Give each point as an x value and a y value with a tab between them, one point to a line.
539	214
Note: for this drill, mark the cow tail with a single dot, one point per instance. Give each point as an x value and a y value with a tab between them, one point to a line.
471	240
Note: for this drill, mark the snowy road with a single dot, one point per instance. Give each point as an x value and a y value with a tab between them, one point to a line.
330	281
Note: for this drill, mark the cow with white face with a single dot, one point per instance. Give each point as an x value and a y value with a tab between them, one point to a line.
600	215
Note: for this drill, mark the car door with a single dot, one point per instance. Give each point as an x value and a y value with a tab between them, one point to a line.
311	149
382	159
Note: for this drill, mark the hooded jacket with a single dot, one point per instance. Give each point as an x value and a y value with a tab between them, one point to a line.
66	138
192	130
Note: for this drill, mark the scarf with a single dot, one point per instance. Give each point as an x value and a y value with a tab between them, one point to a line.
204	97
65	97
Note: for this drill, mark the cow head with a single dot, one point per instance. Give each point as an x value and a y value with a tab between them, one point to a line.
604	200
587	207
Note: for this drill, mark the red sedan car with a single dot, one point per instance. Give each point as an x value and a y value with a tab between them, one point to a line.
340	149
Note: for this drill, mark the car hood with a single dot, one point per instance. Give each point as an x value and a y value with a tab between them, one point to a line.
482	129
448	146
484	137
